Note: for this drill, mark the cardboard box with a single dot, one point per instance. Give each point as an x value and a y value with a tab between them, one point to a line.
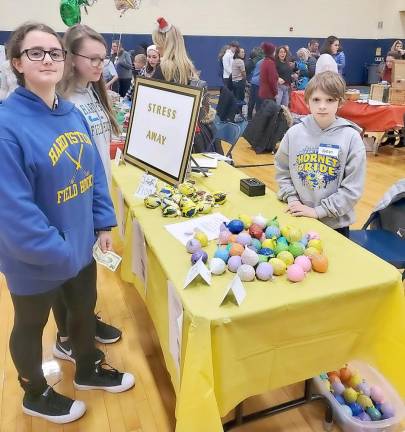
379	92
398	74
396	96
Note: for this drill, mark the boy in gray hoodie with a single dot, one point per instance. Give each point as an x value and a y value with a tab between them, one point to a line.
321	162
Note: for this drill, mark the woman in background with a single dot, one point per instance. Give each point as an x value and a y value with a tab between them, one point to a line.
326	61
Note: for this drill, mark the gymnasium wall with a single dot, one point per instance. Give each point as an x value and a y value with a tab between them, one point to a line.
209	24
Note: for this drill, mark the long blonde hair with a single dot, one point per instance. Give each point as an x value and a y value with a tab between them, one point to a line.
73	40
175	64
393	45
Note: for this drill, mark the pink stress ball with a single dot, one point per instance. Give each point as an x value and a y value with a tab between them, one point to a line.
304	262
295	273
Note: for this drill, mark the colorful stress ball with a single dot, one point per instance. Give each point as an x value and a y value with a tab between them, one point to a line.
193	245
260	221
255	231
304	262
274	222
263	258
285	230
201	237
376	394
319	263
374	414
286	256
340	399
269	243
311	251
364	388
387	410
317	244
356	408
236	249
363	416
171	211
296	248
235	226
264	271
345	374
223	237
250	257
295	273
313	235
272	231
244	238
189	209
279	266
355	380
350	395
152	201
204	207
280	247
234	263
219	197
199	254
364	401
266	251
247	220
304	241
222	254
217	266
346	409
246	273
232	238
333	376
255	244
338	387
294	235
187	188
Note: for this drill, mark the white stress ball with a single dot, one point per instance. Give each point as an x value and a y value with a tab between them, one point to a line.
217	266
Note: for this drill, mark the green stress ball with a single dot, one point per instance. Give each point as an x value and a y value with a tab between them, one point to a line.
296	248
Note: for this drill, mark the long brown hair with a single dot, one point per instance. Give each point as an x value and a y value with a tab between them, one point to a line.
17	38
73	40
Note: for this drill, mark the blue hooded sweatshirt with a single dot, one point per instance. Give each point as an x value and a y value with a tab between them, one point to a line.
53	193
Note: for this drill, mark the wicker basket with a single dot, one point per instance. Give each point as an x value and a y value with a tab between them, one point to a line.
352	95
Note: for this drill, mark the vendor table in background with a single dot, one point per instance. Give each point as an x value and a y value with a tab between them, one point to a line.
283	332
373	119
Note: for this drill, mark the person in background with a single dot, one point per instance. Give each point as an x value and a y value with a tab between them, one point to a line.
227	60
8	81
301	67
340	60
238	81
254	100
313	48
220	64
110	75
326	61
175	64
255	55
397	47
268	73
285	76
139	63
83	84
123	65
311	187
60	195
386	67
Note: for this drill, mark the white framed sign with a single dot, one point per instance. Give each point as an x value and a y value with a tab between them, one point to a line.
161	128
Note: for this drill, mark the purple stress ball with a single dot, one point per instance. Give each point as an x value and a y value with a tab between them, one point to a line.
264	271
197	255
387	410
193	245
338	387
244	238
234	263
363	417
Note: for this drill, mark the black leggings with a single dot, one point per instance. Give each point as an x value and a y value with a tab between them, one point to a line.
31	314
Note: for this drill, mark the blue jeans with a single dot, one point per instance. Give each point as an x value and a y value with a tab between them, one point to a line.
283	95
253	100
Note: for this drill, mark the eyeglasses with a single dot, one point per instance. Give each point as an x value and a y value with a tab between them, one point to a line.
38	54
94	61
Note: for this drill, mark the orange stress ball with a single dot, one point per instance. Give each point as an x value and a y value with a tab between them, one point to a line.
319	263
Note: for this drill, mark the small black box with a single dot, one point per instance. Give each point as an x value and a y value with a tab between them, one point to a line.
252	187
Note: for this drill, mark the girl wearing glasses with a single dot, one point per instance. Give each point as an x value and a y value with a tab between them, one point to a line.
83	84
54	199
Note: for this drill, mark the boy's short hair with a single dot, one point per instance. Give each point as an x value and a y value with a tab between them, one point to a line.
141	58
328	82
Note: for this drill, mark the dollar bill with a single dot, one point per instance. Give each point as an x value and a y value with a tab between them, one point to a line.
109	259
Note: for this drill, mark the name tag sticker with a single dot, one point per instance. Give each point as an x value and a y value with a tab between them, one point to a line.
329	150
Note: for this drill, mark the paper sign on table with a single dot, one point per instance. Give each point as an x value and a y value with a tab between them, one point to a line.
118	156
139	256
199	268
209	224
236	290
175	324
147	186
204	163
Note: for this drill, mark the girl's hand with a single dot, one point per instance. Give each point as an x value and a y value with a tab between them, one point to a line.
296	208
105	241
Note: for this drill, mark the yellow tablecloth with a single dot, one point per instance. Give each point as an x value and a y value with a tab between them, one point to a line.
283	332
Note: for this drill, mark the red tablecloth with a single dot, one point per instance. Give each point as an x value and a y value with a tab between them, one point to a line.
113	147
370	118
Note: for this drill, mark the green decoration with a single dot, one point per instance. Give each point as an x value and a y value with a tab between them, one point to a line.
70	11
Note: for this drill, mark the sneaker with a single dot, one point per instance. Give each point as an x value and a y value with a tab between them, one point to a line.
63	351
53	406
106	333
108	379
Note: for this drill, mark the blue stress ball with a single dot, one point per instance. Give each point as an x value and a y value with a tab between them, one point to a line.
272	231
266	251
346	409
356	408
255	245
235	226
340	399
222	253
